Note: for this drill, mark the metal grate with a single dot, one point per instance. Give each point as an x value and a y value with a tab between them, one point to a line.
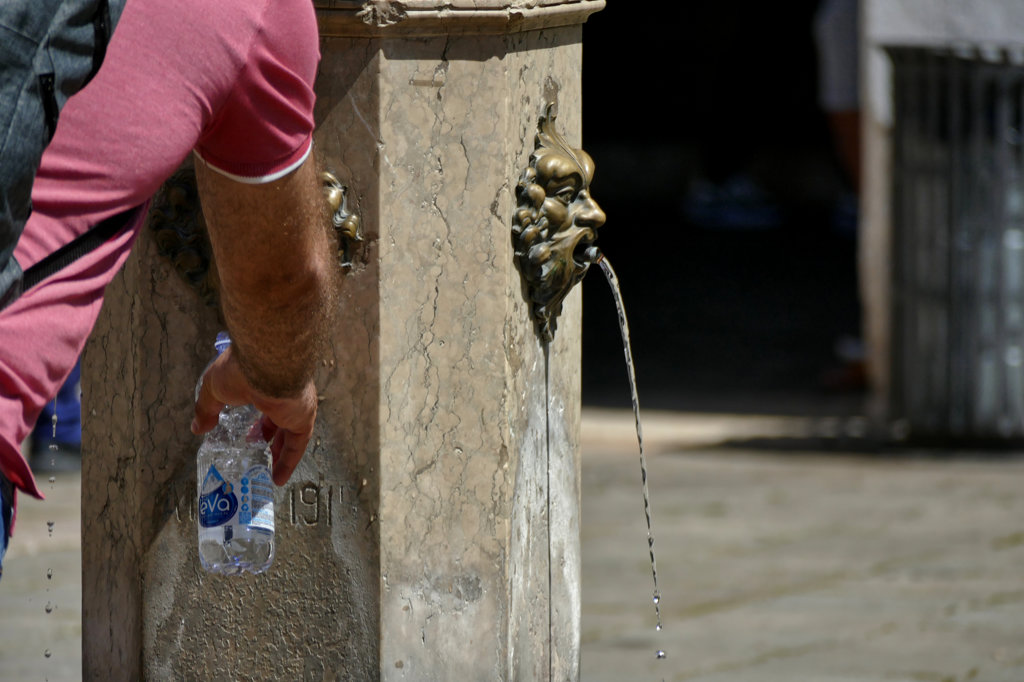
958	243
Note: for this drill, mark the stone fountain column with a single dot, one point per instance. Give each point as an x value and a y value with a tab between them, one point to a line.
432	530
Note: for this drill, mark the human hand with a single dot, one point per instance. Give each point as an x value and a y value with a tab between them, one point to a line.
287	422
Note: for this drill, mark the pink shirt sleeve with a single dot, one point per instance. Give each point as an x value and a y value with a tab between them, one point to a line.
263	130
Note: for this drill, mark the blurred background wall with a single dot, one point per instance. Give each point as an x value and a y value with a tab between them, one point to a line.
725	200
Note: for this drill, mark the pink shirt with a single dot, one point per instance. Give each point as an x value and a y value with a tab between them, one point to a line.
231	80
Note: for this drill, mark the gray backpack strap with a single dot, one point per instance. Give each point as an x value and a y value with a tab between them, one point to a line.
49	50
70	252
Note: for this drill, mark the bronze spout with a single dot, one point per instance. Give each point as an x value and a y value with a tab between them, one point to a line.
555	223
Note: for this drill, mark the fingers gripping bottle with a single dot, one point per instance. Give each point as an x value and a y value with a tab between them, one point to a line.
236	491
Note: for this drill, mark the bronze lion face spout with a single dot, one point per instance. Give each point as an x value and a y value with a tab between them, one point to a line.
556	223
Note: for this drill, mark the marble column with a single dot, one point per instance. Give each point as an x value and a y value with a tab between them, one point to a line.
432	529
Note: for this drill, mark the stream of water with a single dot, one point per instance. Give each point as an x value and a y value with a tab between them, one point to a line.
50	606
613	282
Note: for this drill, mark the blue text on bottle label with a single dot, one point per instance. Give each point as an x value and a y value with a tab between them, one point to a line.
218	502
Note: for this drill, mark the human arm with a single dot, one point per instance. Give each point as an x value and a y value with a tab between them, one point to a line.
275	260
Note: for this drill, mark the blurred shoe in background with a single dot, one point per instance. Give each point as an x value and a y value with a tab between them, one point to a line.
739	203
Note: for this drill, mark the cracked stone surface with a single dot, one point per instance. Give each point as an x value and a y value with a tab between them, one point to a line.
467	538
148	606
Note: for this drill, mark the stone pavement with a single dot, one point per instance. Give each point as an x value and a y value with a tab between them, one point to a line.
787	550
42	570
785	555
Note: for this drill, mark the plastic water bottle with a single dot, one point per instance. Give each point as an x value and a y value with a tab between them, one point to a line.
236	491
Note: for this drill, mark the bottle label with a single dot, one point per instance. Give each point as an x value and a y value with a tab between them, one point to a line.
257	488
217	503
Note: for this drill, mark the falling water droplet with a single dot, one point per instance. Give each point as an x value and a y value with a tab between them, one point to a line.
657	598
49	527
658	627
53	443
53	479
49	574
48	608
47	653
661	654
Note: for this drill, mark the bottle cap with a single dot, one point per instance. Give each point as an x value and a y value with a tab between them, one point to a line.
222	342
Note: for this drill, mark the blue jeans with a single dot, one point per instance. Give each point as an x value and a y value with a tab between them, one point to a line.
49	50
6	506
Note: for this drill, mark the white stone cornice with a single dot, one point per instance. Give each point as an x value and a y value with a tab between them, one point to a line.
392	18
